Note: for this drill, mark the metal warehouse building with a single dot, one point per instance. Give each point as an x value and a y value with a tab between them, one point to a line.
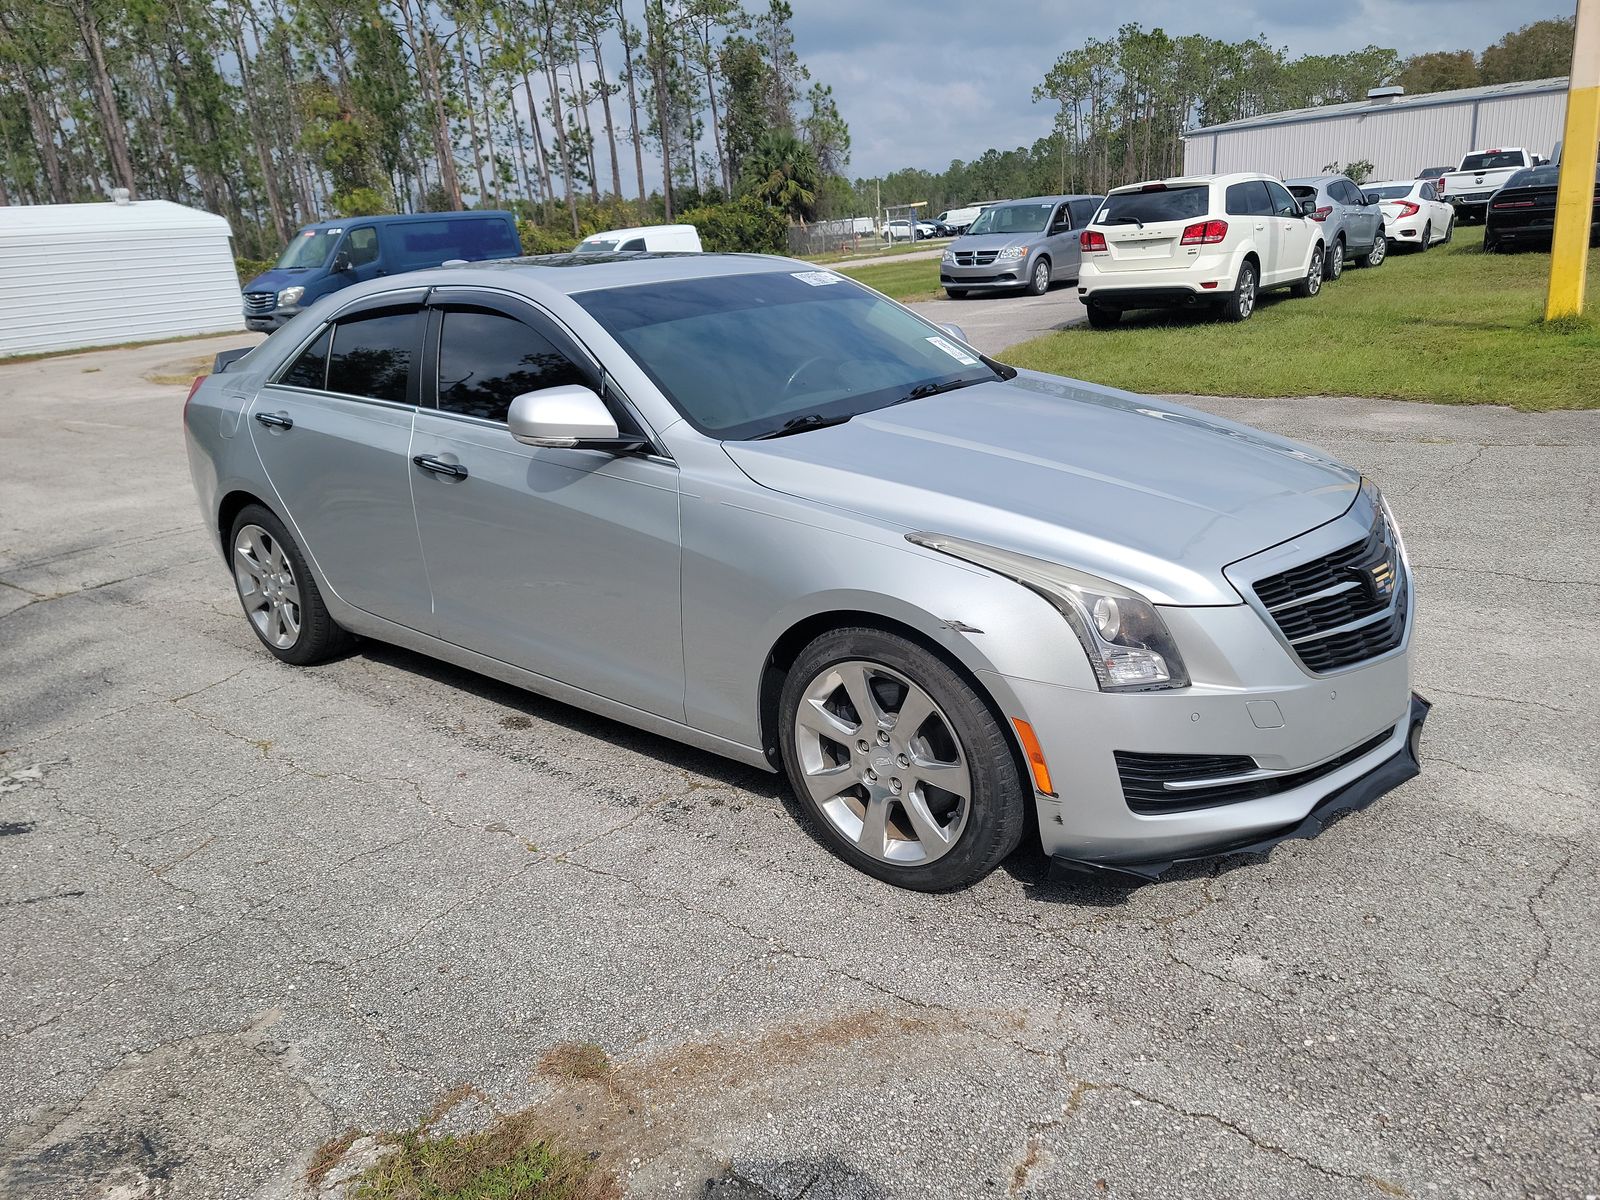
1398	134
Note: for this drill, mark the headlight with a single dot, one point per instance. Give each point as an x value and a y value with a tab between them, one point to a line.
949	257
1127	642
291	295
1013	252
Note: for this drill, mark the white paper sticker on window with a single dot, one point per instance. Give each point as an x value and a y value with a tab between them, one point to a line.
954	351
818	278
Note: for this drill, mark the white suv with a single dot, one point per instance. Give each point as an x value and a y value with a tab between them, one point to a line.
1198	239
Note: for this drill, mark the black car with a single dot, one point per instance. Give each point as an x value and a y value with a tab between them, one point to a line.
1523	212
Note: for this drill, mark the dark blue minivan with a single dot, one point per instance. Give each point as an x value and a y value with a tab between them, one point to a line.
331	255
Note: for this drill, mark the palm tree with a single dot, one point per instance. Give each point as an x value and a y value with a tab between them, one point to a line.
781	171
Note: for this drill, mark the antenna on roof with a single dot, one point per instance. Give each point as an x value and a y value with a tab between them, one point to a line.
121	196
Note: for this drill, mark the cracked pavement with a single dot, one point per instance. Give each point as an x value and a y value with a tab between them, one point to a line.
244	907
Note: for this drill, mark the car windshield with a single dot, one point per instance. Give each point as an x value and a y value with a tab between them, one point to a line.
1012	218
596	246
310	248
1393	191
1163	204
1493	160
741	356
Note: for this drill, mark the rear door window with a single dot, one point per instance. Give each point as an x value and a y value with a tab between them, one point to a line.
488	359
1143	208
1249	199
374	354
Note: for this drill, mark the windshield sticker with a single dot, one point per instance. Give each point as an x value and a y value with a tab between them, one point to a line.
953	350
818	278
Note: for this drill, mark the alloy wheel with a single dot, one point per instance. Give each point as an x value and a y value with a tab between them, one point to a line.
1335	262
1380	250
1314	275
882	763
1247	294
267	586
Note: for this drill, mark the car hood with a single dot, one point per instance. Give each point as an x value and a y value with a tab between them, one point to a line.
278	278
991	241
1149	494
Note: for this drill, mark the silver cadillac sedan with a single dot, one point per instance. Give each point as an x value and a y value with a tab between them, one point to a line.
758	508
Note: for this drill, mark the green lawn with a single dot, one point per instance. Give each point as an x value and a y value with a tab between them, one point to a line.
871	248
1453	326
915	280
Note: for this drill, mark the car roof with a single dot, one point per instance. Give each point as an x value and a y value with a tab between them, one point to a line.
1039	200
1197	180
401	218
570	274
638	231
1378	183
1317	180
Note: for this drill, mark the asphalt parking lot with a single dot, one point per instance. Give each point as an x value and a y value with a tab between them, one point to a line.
994	322
245	907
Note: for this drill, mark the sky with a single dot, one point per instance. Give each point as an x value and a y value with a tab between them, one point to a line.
922	82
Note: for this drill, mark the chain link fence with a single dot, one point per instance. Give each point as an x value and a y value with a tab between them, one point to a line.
833	237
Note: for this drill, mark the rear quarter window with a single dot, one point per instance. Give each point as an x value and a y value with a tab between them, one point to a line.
1169	204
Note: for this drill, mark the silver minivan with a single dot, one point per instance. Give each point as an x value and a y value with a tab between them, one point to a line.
1026	244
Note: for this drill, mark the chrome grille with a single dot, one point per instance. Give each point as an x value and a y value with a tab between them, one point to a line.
260	302
1345	607
975	258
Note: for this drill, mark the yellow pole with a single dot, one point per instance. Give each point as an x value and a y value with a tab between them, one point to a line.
1569	253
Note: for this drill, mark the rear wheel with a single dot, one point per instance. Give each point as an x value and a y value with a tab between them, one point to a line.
278	593
904	768
1242	303
1449	232
1333	267
1101	317
1312	283
1379	251
1427	237
1039	281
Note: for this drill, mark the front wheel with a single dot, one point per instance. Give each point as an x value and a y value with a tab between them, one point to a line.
1312	283
278	593
905	770
1379	251
1101	317
1039	281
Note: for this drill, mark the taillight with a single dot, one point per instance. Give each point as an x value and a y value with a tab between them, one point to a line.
1091	239
1204	233
1323	213
1407	209
1514	204
193	388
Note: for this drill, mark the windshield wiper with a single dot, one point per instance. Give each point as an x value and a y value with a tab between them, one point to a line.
924	390
801	424
1122	221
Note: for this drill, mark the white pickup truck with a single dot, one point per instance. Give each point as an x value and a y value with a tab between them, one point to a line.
1480	175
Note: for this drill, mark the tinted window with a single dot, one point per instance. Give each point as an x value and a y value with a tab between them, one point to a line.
486	360
1282	202
310	370
362	246
1399	191
1248	199
1082	211
1535	177
1493	160
372	355
429	243
1428	192
635	244
1305	191
739	355
1168	204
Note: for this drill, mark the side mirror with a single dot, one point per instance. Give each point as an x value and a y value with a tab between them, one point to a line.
342	263
570	415
955	331
1308	208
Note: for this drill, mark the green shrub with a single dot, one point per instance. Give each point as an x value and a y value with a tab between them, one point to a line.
743	226
541	239
249	268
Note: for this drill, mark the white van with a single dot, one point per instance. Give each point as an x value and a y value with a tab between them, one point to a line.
956	220
656	238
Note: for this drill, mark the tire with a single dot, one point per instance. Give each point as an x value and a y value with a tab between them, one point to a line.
1379	252
1333	264
287	614
1449	232
1242	302
1490	246
1427	238
956	293
906	845
1039	277
1101	317
1312	283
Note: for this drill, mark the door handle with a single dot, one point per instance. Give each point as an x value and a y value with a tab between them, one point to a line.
439	467
276	420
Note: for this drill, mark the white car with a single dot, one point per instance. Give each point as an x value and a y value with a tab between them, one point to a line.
1412	212
900	231
655	239
1213	240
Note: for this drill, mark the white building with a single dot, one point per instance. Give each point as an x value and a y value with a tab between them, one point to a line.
1398	134
74	275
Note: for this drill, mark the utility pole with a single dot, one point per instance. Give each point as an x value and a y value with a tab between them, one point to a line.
1569	251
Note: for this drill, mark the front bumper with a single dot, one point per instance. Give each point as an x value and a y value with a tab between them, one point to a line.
267	322
1401	765
997	276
